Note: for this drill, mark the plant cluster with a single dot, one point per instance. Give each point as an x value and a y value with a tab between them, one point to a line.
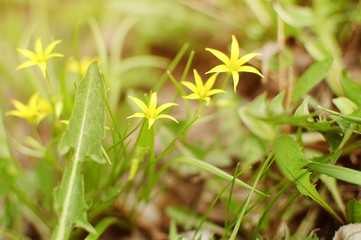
94	166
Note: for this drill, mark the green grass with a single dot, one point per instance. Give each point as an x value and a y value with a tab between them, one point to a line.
110	131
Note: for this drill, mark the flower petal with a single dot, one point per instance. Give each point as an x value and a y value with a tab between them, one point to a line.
27	53
219	69
167	116
190	85
192	96
249	69
55	55
50	48
26	64
136	115
150	122
246	58
39	48
234	49
235	76
139	103
164	106
210	82
215	91
153	102
198	80
221	56
42	66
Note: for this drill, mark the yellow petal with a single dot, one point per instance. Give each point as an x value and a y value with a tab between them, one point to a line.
210	82
150	122
50	48
190	85
26	64
246	58
167	116
235	77
27	53
192	96
215	91
219	69
221	56
153	102
198	80
39	48
139	103
55	55
42	67
137	115
250	70
164	106
234	49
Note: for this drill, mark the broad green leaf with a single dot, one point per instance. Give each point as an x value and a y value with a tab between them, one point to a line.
351	88
262	129
311	78
291	161
345	105
302	110
338	172
354	211
86	126
276	105
84	135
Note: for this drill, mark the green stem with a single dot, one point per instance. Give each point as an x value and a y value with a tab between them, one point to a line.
258	178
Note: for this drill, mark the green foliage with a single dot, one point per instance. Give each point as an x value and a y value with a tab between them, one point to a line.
247	163
290	160
311	78
84	136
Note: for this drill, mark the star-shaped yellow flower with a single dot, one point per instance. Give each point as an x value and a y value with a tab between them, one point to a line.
202	91
40	57
152	112
234	64
36	109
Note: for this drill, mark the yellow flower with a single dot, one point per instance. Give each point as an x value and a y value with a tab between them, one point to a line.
202	91
40	57
234	64
34	111
152	112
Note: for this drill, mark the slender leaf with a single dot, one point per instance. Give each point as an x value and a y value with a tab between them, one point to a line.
212	169
84	135
354	211
338	172
311	78
291	161
351	88
101	227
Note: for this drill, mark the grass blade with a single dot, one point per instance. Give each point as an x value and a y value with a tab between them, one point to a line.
311	78
338	172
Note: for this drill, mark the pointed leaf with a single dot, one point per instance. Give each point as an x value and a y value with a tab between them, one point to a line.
351	88
86	126
354	211
338	172
84	135
291	161
311	78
